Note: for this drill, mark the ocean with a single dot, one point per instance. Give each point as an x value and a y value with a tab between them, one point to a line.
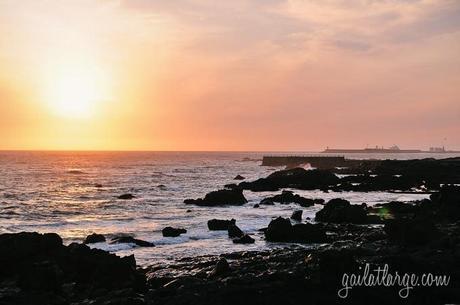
75	194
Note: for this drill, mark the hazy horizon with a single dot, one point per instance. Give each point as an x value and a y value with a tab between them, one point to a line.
191	75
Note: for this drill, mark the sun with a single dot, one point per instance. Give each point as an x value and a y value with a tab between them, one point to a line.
75	92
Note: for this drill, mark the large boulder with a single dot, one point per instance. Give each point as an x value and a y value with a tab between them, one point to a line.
411	231
221	268
341	211
297	215
94	238
220	224
126	196
173	232
287	197
39	268
234	231
220	197
245	239
281	230
131	240
293	178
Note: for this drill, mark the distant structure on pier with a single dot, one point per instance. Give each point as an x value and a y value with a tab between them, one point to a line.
437	149
392	150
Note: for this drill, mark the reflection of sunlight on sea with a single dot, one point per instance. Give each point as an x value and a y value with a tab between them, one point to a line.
75	194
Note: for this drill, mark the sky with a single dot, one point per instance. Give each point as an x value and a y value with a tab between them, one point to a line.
261	75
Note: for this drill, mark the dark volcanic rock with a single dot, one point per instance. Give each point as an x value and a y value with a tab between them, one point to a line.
267	201
397	207
234	231
221	268
293	178
411	232
447	202
281	230
94	238
433	172
341	211
220	224
172	232
287	197
297	215
239	177
126	196
220	197
131	240
245	239
39	269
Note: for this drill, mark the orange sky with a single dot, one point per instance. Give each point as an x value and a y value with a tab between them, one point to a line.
229	75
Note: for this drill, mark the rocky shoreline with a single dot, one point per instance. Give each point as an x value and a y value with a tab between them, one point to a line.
313	261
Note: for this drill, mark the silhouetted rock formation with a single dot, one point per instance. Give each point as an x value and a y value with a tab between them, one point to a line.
245	239
234	231
222	267
297	215
287	197
281	230
172	232
131	240
220	224
39	269
341	211
293	178
126	196
94	238
447	203
220	197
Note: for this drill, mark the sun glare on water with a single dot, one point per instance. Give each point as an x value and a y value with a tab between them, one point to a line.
76	92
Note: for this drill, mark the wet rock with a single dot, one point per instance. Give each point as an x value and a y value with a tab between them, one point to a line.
281	230
245	239
428	171
94	238
394	208
98	185
41	270
221	268
255	206
297	215
239	177
220	197
287	197
172	232
411	231
131	240
220	224
293	178
232	186
126	196
447	202
234	231
267	201
341	211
